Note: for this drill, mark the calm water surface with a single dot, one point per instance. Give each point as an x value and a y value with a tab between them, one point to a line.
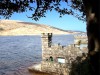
19	52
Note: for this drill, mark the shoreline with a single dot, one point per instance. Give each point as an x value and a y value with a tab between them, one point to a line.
32	34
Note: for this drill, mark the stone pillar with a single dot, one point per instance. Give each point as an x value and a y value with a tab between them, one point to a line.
46	43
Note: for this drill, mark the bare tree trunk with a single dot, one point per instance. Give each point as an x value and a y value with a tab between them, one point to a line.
92	11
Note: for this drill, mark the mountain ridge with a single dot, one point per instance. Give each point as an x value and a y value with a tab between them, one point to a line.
13	27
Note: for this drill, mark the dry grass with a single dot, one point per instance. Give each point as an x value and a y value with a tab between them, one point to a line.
23	28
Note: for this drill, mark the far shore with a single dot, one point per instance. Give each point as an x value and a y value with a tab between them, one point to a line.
29	34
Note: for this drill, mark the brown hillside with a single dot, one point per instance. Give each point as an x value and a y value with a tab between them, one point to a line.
12	27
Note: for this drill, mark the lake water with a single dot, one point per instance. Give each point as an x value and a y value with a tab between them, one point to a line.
17	53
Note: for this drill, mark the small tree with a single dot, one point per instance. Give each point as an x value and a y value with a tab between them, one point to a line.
79	42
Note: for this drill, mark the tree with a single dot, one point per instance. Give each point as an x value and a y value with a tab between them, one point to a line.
89	12
40	7
93	32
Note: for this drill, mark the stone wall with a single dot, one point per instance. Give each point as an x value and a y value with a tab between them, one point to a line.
51	53
54	67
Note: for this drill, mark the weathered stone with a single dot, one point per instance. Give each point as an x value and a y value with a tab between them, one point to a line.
69	53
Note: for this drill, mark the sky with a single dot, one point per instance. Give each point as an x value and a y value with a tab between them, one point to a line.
66	22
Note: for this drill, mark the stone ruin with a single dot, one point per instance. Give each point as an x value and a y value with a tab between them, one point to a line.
58	58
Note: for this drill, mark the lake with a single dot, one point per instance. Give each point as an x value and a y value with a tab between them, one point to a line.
17	53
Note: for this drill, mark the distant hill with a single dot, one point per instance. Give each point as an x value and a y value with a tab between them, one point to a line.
13	27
